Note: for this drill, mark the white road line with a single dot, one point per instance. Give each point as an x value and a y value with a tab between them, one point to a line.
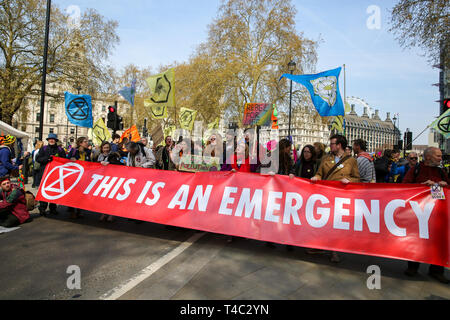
119	291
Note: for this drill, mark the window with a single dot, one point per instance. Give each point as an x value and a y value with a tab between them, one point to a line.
24	128
36	130
52	130
72	131
103	108
38	117
52	118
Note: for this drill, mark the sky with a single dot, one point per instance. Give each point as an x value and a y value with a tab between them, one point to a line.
386	76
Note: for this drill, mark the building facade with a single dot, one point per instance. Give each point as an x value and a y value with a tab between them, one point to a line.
379	134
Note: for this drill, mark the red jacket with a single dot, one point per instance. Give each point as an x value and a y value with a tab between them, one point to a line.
15	202
426	173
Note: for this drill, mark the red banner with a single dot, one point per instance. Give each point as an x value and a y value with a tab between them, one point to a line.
388	220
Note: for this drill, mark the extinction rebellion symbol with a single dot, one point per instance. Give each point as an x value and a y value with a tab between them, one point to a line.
78	109
444	124
61	180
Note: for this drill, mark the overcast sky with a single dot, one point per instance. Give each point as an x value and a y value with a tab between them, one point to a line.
378	70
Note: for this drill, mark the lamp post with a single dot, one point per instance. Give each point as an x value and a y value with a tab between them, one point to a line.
44	70
397	129
291	65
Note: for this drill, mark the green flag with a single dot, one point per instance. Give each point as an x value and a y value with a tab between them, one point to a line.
442	124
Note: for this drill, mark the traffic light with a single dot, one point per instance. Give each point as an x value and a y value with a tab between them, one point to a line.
112	116
446	104
400	145
408	141
119	123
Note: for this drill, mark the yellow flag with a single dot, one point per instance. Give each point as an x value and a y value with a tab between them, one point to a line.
162	87
348	108
157	111
338	124
99	133
187	118
214	125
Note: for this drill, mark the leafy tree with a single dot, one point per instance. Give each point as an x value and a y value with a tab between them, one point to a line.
249	46
75	57
424	24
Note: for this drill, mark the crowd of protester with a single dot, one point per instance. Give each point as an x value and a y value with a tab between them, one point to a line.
339	162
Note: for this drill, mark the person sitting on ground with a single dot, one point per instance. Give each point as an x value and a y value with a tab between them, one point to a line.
13	205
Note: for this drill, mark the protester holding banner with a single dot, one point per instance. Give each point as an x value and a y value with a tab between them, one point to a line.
240	161
13	207
36	165
139	156
104	158
163	156
45	155
115	143
214	146
82	151
365	162
285	165
320	150
307	166
338	167
429	173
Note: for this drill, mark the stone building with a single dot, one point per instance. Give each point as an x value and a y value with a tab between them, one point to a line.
379	134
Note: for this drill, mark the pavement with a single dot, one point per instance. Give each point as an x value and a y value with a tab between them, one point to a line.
128	261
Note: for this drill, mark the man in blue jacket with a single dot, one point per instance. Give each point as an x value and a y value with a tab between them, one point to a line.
6	145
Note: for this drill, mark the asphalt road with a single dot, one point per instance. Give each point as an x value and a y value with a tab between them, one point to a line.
125	260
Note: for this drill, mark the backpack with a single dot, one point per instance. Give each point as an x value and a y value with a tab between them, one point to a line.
30	201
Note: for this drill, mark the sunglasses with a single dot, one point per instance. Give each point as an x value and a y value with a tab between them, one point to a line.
414	158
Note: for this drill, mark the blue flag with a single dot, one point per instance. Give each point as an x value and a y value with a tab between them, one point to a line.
324	90
79	109
128	93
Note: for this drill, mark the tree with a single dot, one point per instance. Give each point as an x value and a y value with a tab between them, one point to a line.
424	24
250	44
75	57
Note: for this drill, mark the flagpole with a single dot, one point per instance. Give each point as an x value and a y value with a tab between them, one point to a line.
345	98
406	146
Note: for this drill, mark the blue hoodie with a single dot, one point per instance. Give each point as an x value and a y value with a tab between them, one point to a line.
5	161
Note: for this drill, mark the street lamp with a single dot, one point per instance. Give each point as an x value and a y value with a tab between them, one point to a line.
291	65
44	70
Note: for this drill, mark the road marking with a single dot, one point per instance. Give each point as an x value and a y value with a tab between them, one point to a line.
119	291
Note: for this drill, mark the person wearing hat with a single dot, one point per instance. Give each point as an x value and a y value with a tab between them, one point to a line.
44	157
13	207
6	145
